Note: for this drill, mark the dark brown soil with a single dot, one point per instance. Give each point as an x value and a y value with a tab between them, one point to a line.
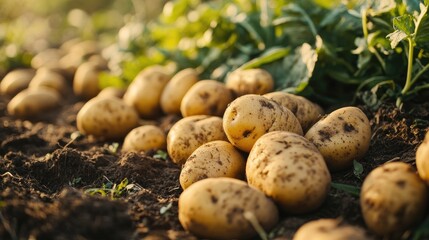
51	186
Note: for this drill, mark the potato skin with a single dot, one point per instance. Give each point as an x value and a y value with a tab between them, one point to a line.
422	159
290	170
206	97
214	208
176	89
306	111
86	81
393	199
33	102
212	159
144	138
250	81
48	78
106	118
144	93
16	81
329	229
250	116
342	136
189	133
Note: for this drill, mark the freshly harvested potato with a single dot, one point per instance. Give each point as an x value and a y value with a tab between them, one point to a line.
330	229
48	78
212	159
223	208
111	92
86	80
250	81
206	97
393	199
189	133
33	102
250	116
144	138
107	118
47	58
422	159
342	136
16	81
289	169
144	93
306	111
176	89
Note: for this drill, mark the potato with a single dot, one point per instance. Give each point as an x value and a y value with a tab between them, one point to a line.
290	170
47	58
220	208
422	159
329	229
48	78
176	89
393	199
144	138
250	81
16	81
212	159
306	111
111	92
342	136
106	118
189	133
206	97
33	102
250	116
86	80
144	93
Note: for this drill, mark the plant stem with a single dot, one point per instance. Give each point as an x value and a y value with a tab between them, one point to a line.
424	69
408	81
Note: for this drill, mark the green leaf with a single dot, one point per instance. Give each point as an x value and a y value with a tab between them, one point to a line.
404	23
353	190
357	169
268	56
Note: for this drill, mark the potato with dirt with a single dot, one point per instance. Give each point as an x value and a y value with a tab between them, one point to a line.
86	83
290	170
393	199
187	134
342	136
144	93
250	116
250	81
33	102
330	229
212	159
16	80
106	118
176	89
306	111
206	97
225	208
144	138
48	78
422	159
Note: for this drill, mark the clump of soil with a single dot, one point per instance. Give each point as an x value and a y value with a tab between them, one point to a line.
58	186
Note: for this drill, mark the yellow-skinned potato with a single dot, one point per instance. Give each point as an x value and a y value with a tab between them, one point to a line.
220	208
47	58
250	116
16	81
212	159
306	111
206	97
422	159
290	170
86	80
111	92
393	199
106	118
189	133
329	229
250	81
33	102
176	89
342	136
144	138
144	93
48	78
